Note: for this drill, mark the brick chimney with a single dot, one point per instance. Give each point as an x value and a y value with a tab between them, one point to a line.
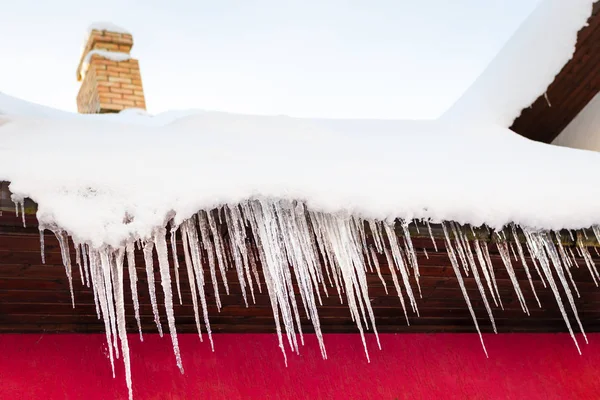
110	78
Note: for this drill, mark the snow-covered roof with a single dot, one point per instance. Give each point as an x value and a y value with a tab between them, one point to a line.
473	133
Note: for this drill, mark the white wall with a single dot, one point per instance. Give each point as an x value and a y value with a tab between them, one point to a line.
584	131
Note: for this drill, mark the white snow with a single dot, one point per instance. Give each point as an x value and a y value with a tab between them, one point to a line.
377	169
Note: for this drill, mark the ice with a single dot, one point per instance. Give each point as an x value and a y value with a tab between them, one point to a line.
397	257
559	269
120	309
539	243
42	251
86	269
220	252
148	247
165	280
524	263
412	255
461	282
175	261
99	289
503	248
63	241
237	233
463	241
208	247
390	263
486	272
107	275
79	262
431	236
133	285
195	270
378	269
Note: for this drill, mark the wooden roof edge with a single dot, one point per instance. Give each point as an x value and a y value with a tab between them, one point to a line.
570	91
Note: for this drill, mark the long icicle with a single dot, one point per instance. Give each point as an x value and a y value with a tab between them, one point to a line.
149	246
130	248
121	328
175	261
165	281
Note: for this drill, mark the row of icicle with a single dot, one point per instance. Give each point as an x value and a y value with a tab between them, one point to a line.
321	253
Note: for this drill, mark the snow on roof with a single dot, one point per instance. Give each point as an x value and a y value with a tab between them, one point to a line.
526	65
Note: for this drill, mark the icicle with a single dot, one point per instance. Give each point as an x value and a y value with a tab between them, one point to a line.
63	242
431	236
524	263
460	247
573	258
505	255
390	264
99	288
237	234
165	280
264	229
589	262
471	261
208	246
486	273
412	255
566	262
218	246
191	252
461	283
486	254
79	263
175	261
378	269
425	252
23	213
130	248
42	252
86	268
107	272
151	285
538	242
512	250
93	284
393	241
375	231
121	328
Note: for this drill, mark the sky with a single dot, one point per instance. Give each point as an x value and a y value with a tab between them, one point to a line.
408	59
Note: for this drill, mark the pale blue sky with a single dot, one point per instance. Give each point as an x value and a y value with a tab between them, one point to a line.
327	58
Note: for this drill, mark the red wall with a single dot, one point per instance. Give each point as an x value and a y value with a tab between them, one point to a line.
415	366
